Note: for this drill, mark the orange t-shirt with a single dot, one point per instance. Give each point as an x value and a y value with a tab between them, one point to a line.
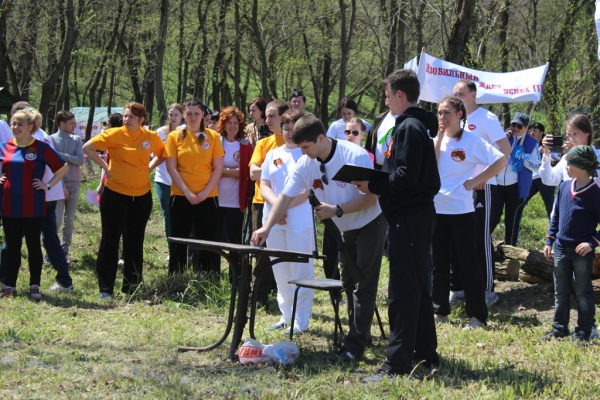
129	158
263	146
194	159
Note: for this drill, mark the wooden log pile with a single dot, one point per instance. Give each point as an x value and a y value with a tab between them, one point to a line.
514	263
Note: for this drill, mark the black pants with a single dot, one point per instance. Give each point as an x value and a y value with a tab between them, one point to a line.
14	230
508	196
365	247
455	234
483	200
330	250
412	329
127	216
546	192
232	220
267	282
203	218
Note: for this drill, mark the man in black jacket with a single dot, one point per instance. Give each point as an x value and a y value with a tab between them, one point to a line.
406	199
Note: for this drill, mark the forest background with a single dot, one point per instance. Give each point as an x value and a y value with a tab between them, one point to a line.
59	54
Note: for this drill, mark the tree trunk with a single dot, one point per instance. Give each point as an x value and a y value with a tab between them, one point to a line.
180	67
262	53
391	56
346	32
158	65
218	83
30	38
551	94
505	117
237	93
593	76
459	35
111	90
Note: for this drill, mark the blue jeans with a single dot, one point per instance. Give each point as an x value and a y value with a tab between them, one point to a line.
164	196
566	264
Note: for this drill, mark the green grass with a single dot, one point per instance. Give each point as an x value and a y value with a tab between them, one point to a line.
73	346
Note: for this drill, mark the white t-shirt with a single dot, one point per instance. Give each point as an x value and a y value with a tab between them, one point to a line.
308	176
278	165
161	174
5	132
553	176
336	130
458	160
389	121
229	188
56	193
486	125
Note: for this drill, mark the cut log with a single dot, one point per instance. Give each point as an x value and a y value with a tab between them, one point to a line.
596	286
533	261
512	270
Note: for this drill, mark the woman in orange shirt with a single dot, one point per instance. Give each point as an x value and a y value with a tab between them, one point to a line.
194	157
126	200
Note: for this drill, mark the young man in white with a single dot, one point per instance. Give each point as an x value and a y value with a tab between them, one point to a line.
358	217
69	147
486	125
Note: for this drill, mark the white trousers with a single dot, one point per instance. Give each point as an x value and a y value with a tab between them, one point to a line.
301	241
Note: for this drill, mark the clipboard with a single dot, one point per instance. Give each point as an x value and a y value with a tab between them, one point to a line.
349	173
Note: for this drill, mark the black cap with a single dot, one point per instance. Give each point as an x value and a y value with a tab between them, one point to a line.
296	93
207	110
537	125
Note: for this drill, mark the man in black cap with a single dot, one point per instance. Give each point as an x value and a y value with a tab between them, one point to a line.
297	100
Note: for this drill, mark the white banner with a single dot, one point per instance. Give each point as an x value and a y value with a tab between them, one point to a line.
598	25
414	65
437	78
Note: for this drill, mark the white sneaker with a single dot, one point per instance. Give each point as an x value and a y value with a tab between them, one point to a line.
441	320
57	287
121	262
455	297
105	296
473	324
491	298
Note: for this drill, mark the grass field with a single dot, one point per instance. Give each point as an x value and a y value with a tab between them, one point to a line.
73	346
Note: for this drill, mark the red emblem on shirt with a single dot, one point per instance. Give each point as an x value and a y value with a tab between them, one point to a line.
341	184
472	127
318	184
458	155
277	162
236	156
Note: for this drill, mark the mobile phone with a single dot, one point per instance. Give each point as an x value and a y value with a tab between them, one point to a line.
557	143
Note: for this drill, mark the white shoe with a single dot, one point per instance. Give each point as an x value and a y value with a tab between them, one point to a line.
491	298
121	262
473	324
441	320
455	297
105	296
57	287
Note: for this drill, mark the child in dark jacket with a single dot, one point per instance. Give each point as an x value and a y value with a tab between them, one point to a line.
573	236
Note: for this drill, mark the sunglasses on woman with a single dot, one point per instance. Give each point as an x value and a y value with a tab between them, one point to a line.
355	133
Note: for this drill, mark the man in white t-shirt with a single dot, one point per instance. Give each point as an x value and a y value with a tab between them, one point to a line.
486	125
380	135
357	215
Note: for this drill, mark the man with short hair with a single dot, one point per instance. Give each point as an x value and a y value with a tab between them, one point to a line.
69	147
297	100
58	260
406	198
273	114
357	216
486	125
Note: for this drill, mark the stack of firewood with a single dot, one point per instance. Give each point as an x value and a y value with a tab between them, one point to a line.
514	263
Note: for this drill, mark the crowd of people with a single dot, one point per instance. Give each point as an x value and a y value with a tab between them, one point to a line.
450	179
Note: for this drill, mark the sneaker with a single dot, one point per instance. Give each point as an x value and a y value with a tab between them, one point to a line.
34	293
441	320
121	262
297	331
57	287
105	296
457	296
47	261
378	376
594	333
581	339
491	298
473	324
277	327
554	335
343	356
8	291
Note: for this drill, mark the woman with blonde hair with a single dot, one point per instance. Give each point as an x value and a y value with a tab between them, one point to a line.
126	201
162	179
23	160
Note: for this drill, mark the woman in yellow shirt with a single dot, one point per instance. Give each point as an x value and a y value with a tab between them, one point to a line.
194	157
127	200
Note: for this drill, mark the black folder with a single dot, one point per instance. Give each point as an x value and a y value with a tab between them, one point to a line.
349	173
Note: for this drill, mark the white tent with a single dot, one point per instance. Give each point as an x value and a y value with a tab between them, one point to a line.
100	116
